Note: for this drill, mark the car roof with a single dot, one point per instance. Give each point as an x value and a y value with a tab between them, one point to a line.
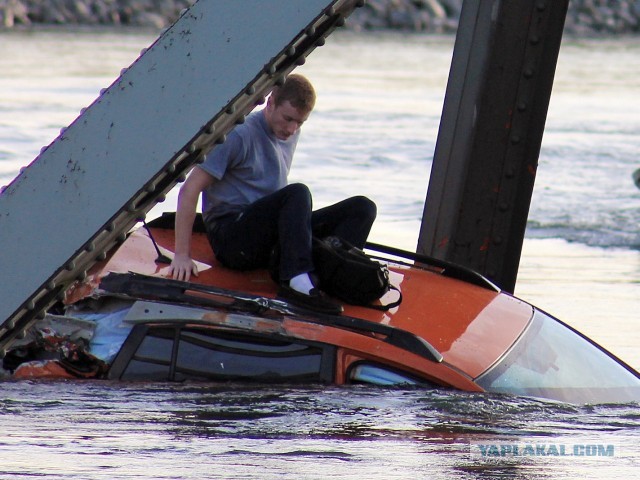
470	325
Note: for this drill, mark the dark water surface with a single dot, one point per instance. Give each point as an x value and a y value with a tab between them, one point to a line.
98	430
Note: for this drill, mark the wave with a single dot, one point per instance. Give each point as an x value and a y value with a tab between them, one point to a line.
591	235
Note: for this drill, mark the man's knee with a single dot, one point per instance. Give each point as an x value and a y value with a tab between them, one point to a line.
298	189
298	192
366	207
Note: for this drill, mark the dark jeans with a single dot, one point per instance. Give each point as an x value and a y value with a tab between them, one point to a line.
285	220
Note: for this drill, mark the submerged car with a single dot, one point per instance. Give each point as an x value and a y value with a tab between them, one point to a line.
454	329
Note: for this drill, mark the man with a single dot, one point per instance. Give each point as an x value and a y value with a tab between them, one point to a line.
249	209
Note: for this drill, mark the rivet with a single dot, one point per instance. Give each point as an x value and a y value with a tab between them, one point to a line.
291	51
103	91
131	207
123	71
51	285
300	61
541	6
150	188
522	106
240	120
503	206
110	227
231	109
528	72
210	129
270	69
81	276
200	159
221	139
90	247
101	256
320	42
30	305
340	22
331	11
191	148
44	149
250	90
70	266
515	139
161	198
311	30
122	237
171	168
280	81
535	40
183	177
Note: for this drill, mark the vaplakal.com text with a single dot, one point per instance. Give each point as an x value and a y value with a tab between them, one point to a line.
496	450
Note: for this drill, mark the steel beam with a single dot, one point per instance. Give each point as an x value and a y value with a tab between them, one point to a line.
491	130
106	170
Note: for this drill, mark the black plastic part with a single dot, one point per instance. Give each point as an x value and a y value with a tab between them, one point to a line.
449	269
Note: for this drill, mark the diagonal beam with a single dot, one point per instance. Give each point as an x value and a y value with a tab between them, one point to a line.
141	136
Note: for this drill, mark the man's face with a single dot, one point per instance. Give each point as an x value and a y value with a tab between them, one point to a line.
284	119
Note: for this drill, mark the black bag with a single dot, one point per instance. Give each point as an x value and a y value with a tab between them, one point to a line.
347	273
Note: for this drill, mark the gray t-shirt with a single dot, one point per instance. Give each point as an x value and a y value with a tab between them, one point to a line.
249	165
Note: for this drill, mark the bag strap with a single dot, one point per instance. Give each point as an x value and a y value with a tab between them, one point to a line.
390	305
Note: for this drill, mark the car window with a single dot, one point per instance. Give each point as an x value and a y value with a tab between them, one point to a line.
551	360
178	353
377	374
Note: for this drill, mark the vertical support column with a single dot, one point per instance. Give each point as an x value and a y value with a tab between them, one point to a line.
490	134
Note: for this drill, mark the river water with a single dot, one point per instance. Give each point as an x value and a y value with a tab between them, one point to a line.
373	132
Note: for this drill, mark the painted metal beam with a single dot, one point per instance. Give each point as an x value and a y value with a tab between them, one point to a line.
142	135
490	134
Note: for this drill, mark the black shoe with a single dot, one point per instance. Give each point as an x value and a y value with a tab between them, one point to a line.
316	300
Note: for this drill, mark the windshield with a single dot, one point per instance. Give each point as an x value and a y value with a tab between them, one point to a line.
551	360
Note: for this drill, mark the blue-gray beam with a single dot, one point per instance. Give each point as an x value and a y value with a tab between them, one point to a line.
142	135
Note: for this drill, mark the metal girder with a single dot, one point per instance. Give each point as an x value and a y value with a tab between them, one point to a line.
104	172
490	134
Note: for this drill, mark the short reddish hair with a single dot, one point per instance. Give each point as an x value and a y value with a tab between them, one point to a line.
298	91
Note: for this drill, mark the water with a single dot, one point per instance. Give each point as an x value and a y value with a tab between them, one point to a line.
373	132
93	431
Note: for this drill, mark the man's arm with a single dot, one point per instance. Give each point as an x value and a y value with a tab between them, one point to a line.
182	265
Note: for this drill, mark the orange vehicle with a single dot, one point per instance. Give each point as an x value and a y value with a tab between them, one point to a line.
454	329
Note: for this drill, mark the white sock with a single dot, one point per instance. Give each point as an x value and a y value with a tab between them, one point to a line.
301	283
